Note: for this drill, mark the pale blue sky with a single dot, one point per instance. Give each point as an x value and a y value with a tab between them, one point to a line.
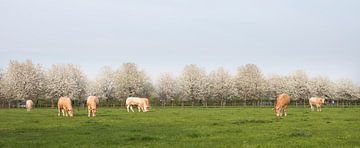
321	37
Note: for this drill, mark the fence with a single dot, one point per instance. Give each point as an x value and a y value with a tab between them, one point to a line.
120	103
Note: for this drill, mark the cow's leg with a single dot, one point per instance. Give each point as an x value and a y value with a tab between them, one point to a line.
311	106
285	110
94	112
63	111
139	108
281	112
131	108
89	111
318	108
59	110
127	107
66	112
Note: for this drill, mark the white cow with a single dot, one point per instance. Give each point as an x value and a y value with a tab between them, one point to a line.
141	103
317	102
29	105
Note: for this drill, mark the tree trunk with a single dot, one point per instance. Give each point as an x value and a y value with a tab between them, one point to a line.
205	102
164	104
9	103
52	102
304	103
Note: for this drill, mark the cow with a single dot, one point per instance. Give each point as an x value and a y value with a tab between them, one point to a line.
91	103
64	106
317	101
141	103
29	105
282	102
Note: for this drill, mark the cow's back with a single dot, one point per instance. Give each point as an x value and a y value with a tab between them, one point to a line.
134	101
29	104
282	100
64	102
315	100
92	101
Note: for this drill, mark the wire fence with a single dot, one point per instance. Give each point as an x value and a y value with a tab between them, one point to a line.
120	103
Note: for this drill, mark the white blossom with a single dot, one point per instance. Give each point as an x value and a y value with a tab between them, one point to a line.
131	82
66	80
192	83
250	82
322	87
222	86
167	88
23	80
104	85
347	90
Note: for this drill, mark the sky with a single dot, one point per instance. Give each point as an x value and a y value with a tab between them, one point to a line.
321	37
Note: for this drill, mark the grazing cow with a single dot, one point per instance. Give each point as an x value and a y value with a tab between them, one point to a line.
141	103
282	103
29	105
91	103
317	102
64	106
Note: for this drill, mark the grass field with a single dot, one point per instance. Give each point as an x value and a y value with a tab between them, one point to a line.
177	127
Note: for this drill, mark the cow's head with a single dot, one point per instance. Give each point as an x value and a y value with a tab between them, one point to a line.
277	111
146	108
322	100
70	112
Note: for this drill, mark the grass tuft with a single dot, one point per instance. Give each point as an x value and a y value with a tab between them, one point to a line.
300	134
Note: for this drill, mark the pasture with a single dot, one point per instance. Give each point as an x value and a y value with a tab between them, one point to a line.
181	127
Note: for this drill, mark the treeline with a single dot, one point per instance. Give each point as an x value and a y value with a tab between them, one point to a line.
194	86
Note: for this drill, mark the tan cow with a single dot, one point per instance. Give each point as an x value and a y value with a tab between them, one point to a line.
141	103
29	105
317	101
282	103
91	103
64	106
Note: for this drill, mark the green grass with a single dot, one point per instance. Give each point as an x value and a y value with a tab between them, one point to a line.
177	127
